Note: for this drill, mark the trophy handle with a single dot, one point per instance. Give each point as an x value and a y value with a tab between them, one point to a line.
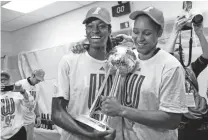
116	83
113	92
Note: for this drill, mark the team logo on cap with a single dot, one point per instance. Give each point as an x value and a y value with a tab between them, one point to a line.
148	9
96	11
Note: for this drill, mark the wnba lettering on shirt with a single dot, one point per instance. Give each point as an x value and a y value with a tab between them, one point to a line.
130	91
94	79
7	111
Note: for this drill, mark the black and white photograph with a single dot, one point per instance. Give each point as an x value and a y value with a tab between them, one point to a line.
104	70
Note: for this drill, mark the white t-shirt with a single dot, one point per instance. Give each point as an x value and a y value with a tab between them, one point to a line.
29	114
11	114
157	84
79	78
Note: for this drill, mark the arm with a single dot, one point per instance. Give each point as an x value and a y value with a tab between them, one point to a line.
18	88
60	116
201	63
204	44
178	25
172	41
156	119
65	120
37	110
172	104
37	113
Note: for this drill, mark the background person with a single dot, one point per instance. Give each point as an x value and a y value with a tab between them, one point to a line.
12	110
194	123
32	113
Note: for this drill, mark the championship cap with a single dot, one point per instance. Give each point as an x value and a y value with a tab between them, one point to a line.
155	14
100	13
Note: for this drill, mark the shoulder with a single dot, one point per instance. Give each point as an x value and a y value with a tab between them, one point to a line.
70	57
169	61
22	82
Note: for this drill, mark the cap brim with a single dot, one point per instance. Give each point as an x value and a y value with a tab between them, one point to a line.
84	22
135	14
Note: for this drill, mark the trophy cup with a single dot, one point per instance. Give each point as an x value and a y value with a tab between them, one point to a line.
121	61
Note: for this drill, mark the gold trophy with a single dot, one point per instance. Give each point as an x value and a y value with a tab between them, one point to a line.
121	61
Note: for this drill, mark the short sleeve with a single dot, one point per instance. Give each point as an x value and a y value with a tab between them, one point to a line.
172	91
63	79
18	82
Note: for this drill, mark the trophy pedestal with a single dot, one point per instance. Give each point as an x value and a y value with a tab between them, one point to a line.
95	124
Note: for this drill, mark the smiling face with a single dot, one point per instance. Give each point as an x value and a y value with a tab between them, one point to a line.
97	33
145	34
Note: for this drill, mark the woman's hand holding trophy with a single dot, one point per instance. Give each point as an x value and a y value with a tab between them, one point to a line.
120	61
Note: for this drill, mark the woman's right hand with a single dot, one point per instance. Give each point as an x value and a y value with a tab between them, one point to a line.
109	134
180	22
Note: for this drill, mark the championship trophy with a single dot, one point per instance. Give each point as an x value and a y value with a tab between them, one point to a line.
121	60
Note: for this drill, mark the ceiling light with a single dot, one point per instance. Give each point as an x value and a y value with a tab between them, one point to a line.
26	6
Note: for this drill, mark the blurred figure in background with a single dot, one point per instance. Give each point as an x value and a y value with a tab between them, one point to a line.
32	113
194	125
13	101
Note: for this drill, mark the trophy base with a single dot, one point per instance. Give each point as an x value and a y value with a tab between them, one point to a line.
95	124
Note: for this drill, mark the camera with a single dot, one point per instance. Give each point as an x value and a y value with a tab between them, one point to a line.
193	17
197	19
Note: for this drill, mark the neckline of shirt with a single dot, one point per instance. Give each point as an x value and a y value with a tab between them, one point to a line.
152	59
93	59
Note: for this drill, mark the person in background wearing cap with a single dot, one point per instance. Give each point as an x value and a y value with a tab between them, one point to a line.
154	94
194	123
12	103
32	113
77	76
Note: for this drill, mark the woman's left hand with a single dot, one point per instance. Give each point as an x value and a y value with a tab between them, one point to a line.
111	106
